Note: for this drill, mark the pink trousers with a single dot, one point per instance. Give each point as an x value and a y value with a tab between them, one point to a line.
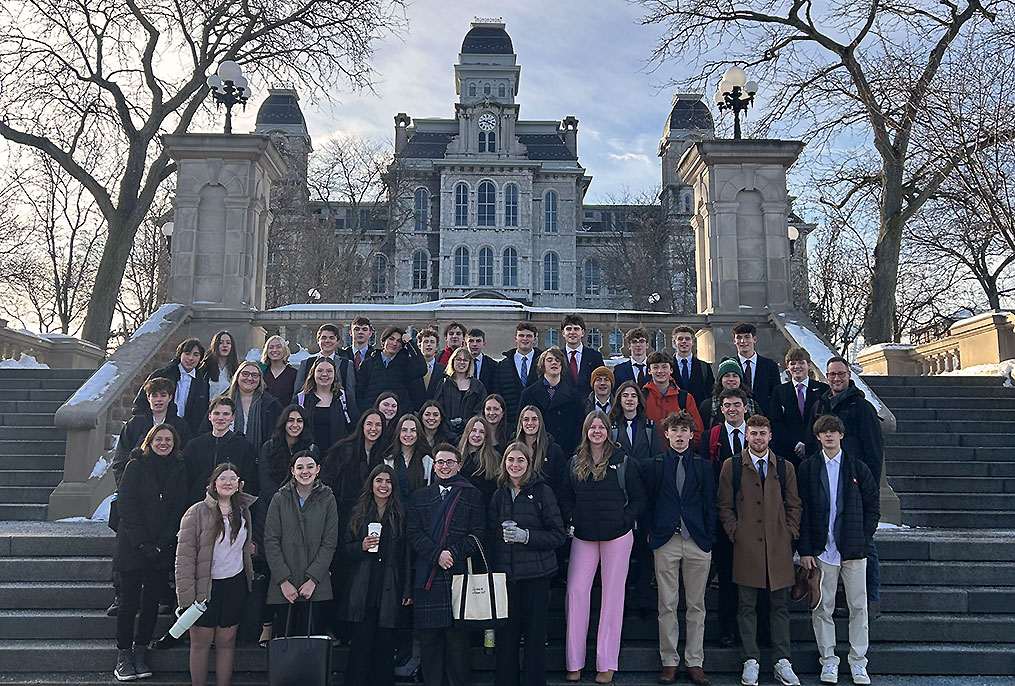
614	557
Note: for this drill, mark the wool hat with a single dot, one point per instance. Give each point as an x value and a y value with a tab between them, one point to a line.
603	371
727	365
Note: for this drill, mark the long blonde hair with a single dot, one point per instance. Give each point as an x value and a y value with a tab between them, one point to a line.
487	459
540	442
585	466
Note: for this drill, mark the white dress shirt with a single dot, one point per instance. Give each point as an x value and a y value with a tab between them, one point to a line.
577	358
528	365
183	390
743	434
831	556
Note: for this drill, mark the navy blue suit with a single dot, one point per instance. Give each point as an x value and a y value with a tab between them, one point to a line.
590	361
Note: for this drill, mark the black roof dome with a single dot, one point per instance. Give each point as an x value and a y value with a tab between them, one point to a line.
690	113
487	40
282	106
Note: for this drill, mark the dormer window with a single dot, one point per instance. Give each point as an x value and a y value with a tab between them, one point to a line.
488	142
472	89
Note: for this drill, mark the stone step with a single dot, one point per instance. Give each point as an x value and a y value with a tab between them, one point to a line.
55	595
877	382
13	407
952	573
30	477
958	519
32	461
932	468
35	394
947	599
52	384
40	419
945	402
56	568
45	446
896	451
22	433
889	393
922	483
950	426
55	373
957	501
42	539
22	511
905	415
24	494
911	545
937	439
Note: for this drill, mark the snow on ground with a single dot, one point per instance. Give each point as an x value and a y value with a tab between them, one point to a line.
155	322
100	468
96	385
886	525
1004	369
23	362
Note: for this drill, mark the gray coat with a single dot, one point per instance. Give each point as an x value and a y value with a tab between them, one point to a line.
300	542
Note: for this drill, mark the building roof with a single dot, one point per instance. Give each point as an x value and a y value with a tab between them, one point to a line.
545	146
281	107
427	145
487	40
690	113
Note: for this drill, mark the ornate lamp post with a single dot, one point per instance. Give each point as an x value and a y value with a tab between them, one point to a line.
229	87
735	93
167	233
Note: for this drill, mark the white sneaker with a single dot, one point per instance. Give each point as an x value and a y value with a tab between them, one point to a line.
784	673
860	674
750	674
829	673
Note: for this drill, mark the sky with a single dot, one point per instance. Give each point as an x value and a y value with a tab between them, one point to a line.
589	60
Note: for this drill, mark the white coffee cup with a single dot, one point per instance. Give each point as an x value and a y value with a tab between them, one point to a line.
373	529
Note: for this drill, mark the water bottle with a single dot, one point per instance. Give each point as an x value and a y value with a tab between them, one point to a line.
489	641
186	619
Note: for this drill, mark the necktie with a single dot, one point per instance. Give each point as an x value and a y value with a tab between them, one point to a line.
685	373
800	398
681	476
738	447
747	373
525	370
641	374
479	363
761	471
359	359
551	391
574	364
444	492
630	432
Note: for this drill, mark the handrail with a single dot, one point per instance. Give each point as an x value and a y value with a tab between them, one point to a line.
54	350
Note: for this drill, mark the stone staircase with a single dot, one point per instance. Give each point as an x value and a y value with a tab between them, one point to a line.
31	447
952	458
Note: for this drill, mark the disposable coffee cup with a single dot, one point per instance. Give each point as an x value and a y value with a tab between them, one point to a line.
373	529
507	524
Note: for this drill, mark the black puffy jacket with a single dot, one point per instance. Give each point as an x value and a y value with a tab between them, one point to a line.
206	452
863	439
855	523
151	500
535	509
597	509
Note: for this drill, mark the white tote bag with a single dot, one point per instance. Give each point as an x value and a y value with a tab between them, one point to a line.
479	597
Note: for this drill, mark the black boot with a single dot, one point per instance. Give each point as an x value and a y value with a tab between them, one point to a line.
125	666
141	667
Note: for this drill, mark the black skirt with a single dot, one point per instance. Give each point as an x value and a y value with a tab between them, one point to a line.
227	603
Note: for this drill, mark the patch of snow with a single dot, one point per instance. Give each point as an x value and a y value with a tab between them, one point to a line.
78	519
450	304
101	513
97	384
154	323
886	525
885	346
24	361
296	358
1005	369
100	468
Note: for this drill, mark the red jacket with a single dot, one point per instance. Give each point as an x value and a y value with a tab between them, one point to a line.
659	406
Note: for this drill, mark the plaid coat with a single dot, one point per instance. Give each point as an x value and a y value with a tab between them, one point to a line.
432	607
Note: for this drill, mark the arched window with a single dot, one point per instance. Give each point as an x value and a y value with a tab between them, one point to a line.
486	267
472	89
487	207
379	278
687	203
658	340
591	271
461	205
501	91
550	212
552	338
551	272
462	266
420	270
510	263
616	341
421	209
486	89
595	339
510	205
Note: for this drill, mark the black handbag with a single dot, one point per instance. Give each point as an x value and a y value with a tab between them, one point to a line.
299	660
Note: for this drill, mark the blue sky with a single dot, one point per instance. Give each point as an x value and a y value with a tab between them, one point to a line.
585	59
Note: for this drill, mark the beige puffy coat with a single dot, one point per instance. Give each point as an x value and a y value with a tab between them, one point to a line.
195	545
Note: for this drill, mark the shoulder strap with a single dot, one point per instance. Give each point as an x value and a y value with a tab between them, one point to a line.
649	428
622	478
713	443
738	473
613	433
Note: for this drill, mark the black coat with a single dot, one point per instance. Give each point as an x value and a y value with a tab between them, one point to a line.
857	507
789	427
151	500
195	410
133	434
340	419
590	361
702	379
457	404
509	385
596	509
486	371
373	378
432	607
271	408
534	509
647	443
390	562
346	370
206	452
863	437
764	378
563	416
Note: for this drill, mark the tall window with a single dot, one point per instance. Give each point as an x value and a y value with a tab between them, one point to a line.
488	142
552	338
420	271
510	268
595	339
379	279
551	272
511	205
486	89
658	340
487	207
591	271
501	91
472	89
462	266
486	267
550	212
461	205
616	341
421	209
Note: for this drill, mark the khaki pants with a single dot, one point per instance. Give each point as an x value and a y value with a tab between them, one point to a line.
676	555
854	580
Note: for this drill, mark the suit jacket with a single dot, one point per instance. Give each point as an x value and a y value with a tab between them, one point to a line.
788	426
625	371
647	444
702	379
507	383
562	416
764	378
486	372
422	389
195	410
590	360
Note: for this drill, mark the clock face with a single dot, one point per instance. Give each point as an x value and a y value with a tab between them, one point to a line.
487	122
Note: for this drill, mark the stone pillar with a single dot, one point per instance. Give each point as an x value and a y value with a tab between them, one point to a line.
741	234
220	241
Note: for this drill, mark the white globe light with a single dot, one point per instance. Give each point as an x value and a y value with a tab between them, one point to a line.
214	81
229	71
751	87
719	99
240	82
734	75
167	229
247	92
725	86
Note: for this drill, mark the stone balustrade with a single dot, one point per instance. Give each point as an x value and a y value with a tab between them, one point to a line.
55	350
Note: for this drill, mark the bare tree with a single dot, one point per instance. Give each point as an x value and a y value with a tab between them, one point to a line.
867	70
145	278
78	72
840	267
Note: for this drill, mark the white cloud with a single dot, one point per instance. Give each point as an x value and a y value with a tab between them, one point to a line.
632	156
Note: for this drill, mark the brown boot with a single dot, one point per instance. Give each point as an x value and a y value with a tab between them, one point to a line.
573	676
668	675
605	677
697	676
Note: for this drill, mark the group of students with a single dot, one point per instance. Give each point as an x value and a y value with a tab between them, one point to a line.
557	465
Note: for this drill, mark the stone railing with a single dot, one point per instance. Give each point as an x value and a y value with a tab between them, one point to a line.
54	350
988	338
95	413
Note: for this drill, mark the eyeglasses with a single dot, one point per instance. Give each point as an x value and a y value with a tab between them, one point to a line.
445	463
250	375
836	375
228	479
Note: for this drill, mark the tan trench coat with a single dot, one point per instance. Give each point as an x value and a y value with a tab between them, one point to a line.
762	535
